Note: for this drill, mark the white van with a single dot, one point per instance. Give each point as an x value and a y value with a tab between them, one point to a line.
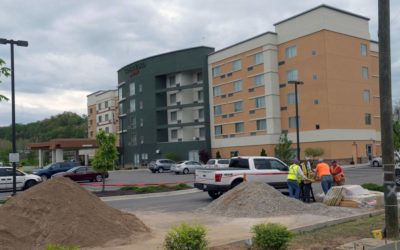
218	163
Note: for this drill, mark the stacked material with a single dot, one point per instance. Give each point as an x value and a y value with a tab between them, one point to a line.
334	196
357	197
60	212
255	199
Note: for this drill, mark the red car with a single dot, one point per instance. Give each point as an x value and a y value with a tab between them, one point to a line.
82	173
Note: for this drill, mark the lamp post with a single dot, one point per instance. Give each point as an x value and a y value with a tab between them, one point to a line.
297	115
14	144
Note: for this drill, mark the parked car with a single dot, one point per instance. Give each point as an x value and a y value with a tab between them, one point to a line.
377	161
160	165
82	173
218	163
186	167
47	171
23	180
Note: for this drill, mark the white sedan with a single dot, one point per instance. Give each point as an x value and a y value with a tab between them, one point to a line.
185	167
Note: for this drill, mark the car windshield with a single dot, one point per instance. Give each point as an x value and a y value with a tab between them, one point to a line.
73	169
180	162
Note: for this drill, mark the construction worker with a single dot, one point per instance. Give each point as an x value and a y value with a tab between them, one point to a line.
337	174
295	176
324	174
306	192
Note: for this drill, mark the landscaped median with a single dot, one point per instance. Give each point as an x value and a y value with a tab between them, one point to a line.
143	189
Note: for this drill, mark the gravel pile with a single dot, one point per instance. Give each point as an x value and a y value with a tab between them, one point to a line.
59	211
255	199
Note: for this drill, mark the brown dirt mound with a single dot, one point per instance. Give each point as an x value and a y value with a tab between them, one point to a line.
59	211
255	199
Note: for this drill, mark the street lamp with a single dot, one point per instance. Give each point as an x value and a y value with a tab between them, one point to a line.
297	115
14	145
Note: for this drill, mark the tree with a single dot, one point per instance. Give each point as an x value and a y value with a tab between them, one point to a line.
172	156
106	154
283	150
263	153
218	155
204	156
6	72
314	152
396	134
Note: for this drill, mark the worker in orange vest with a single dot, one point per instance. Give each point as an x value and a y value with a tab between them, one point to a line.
337	174
324	174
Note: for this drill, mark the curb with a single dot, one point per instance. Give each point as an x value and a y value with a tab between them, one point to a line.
320	225
152	195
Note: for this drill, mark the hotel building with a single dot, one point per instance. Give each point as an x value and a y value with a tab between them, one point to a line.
330	51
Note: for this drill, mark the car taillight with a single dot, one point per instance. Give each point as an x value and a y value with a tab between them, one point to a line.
218	177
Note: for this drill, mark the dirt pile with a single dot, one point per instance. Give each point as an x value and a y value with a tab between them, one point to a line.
255	199
59	211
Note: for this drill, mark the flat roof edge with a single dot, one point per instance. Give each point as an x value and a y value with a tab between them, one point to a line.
322	6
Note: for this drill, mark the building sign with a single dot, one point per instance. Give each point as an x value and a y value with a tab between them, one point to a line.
135	69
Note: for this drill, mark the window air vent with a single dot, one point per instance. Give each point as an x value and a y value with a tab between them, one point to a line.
251	90
284	131
179	121
196	120
178	84
250	68
253	133
252	111
282	85
225	136
232	135
283	108
229	75
223	96
231	115
178	103
230	94
195	102
179	139
224	116
222	76
281	63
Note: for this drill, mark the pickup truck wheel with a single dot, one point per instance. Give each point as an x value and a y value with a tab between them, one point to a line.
160	170
185	171
44	177
215	194
235	183
29	184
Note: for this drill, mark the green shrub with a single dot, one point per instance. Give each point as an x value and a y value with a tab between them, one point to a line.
270	236
373	187
263	152
172	156
182	186
185	237
57	247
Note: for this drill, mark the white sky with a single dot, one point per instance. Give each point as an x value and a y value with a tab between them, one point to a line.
76	47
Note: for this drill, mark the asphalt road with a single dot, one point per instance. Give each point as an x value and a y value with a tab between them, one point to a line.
188	202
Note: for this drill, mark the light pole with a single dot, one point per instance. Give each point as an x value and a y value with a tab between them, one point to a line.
14	144
297	115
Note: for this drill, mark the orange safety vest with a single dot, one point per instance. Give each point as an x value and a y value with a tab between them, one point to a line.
337	173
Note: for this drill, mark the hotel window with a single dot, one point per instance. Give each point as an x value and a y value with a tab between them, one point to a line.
200	95
174	133
218	130
239	127
107	130
100	118
141	104
237	85
217	110
90	122
261	124
106	117
121	108
131	88
292	75
99	106
258	80
217	91
106	104
366	96
292	122
202	132
216	71
120	93
199	76
91	133
367	119
291	52
201	113
141	122
90	111
236	65
292	98
258	58
141	139
314	77
171	80
365	72
260	102
132	105
174	116
140	87
238	106
364	49
172	98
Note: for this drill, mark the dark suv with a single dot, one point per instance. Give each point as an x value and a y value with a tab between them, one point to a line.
47	171
160	165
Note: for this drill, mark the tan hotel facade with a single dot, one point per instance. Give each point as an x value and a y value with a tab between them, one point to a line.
330	50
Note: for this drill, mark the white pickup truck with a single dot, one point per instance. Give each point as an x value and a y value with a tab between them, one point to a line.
216	181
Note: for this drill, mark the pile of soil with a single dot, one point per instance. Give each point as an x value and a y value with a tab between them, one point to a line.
256	199
60	212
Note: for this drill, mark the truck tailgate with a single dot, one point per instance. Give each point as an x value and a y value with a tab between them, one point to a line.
205	176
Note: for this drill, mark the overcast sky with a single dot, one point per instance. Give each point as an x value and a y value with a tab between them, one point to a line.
76	47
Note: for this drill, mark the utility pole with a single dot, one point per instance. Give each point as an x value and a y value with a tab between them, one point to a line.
297	115
385	92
